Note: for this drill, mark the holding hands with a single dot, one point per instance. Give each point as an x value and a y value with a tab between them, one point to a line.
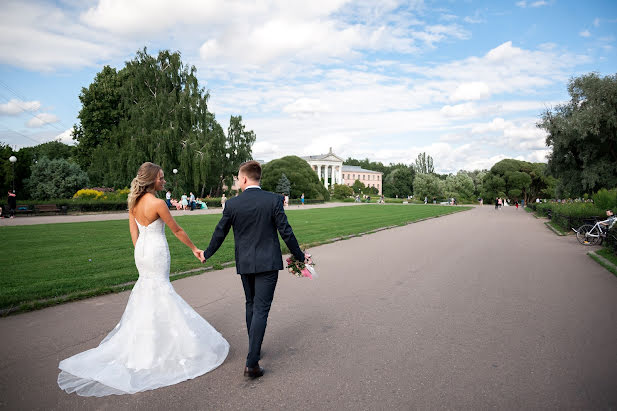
199	254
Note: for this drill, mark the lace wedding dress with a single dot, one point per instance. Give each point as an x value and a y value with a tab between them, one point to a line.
159	341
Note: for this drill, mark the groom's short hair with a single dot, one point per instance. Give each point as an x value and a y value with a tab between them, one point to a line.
251	169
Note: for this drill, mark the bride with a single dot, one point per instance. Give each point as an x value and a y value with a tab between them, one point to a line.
160	340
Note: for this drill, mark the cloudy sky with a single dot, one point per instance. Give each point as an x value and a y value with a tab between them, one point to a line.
464	81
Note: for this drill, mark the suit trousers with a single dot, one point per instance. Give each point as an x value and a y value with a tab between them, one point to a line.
259	292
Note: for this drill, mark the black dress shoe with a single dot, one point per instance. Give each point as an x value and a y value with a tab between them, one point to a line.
254	372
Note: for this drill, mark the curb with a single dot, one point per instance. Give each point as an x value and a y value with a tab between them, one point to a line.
553	229
603	262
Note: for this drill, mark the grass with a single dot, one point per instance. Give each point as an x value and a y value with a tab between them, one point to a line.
52	263
601	256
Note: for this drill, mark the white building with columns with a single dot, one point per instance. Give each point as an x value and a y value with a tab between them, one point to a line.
329	168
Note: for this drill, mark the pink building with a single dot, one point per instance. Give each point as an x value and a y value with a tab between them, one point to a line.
367	177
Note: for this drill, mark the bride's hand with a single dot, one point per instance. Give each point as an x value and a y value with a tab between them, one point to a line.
199	254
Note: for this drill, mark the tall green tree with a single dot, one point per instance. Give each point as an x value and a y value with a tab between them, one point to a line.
460	186
154	109
239	146
424	164
583	136
283	186
399	182
99	115
428	185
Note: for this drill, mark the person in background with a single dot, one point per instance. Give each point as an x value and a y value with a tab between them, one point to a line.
302	199
223	201
12	200
192	201
168	198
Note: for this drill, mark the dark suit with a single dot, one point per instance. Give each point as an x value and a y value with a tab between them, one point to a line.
257	218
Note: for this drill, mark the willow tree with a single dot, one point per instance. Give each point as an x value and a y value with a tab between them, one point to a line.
163	118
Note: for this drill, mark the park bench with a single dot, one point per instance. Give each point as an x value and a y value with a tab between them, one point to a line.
46	208
24	210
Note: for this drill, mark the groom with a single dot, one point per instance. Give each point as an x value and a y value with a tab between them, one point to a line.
255	216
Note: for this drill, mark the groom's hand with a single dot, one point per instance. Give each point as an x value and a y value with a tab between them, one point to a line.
199	254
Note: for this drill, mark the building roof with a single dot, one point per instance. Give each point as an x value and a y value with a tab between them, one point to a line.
358	169
330	156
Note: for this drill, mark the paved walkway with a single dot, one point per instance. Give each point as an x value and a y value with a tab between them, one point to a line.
476	310
80	218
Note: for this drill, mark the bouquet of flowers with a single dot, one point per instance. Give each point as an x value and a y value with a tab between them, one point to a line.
300	268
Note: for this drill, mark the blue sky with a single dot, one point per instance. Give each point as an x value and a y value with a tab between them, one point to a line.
464	81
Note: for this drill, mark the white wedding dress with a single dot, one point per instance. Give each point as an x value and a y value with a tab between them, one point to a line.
159	341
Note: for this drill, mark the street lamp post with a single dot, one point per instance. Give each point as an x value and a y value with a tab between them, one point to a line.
13	160
175	171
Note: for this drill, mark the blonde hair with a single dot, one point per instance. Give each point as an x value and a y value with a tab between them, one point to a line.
143	183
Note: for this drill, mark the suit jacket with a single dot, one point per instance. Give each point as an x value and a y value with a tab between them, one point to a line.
255	216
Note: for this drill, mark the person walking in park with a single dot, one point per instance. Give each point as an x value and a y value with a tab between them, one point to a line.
192	201
168	198
12	202
184	201
257	218
160	340
302	199
500	203
516	204
496	203
223	201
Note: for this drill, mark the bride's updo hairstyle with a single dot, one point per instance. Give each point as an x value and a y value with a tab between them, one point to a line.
143	183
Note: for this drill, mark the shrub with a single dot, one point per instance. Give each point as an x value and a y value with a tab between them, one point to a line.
606	199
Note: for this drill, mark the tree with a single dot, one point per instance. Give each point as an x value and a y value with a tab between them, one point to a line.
358	187
428	185
399	182
460	186
153	109
239	147
424	164
342	191
518	179
99	115
302	178
55	179
283	186
583	135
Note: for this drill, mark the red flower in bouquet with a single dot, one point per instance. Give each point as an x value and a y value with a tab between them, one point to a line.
300	268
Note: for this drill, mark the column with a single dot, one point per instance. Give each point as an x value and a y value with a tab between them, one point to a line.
325	175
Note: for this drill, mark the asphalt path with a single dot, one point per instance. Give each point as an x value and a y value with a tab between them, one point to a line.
476	310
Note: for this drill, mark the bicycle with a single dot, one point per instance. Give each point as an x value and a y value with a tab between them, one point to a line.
588	234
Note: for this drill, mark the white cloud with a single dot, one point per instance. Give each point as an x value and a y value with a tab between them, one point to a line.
305	106
596	22
42	119
584	33
460	110
474	90
66	137
15	107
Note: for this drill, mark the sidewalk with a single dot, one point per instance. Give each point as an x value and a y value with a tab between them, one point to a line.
80	218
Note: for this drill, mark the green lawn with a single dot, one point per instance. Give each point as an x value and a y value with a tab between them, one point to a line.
77	260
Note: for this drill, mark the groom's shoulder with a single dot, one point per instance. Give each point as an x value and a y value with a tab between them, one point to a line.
270	195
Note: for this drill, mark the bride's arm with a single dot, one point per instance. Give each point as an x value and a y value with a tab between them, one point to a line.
133	228
165	215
